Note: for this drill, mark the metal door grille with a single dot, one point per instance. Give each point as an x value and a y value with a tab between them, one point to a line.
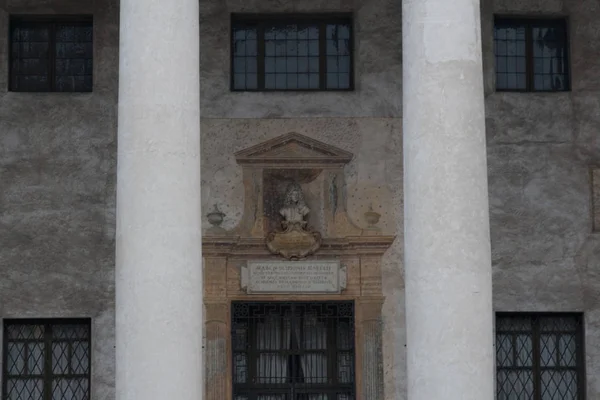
293	351
539	357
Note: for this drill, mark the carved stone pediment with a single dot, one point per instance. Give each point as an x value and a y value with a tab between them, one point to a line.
294	150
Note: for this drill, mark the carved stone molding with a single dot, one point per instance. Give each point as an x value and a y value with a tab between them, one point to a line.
293	243
255	247
293	150
316	166
295	207
372	360
215	350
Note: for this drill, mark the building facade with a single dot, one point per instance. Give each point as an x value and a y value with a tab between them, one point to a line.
58	205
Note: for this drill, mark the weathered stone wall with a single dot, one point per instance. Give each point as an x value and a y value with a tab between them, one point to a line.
57	191
58	152
540	150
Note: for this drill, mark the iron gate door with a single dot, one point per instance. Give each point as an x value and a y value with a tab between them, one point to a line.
293	350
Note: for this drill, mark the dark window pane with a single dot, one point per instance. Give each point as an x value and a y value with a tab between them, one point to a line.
32	83
239	65
292	81
343	31
239	81
313	48
269	81
541	42
30	56
549	52
332	81
251	64
510	56
303	48
344	81
303	64
292	64
251	47
332	65
314	81
280	64
303	81
280	81
251	81
313	64
289	54
269	64
67	66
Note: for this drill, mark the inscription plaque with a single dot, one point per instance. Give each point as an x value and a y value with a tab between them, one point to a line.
293	277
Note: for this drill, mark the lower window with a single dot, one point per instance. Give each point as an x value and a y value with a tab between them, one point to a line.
46	360
539	357
293	351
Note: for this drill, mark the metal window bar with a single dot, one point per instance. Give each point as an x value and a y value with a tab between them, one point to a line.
539	356
46	360
293	351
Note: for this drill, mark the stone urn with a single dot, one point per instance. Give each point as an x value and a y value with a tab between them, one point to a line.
372	218
215	218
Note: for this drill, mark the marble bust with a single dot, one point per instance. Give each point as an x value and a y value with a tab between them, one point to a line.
296	240
294	207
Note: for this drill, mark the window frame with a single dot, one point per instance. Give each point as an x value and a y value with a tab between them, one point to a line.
47	376
536	353
251	389
529	22
291	18
51	21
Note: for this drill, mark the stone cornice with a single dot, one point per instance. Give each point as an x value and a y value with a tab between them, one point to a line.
236	246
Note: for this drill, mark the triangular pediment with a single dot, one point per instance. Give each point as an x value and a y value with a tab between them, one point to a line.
294	150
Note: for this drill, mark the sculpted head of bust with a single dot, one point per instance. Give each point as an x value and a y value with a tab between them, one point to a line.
294	207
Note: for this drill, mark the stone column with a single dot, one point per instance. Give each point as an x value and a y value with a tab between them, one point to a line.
447	241
158	262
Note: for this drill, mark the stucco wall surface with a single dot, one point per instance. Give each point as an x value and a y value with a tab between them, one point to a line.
58	169
57	180
540	150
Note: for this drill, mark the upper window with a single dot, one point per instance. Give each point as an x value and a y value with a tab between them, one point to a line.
51	55
291	53
539	356
531	55
46	360
293	351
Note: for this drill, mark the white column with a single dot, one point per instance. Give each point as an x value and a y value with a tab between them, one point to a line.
158	271
447	241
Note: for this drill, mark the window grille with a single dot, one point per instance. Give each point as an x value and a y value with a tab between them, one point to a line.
293	351
46	360
539	357
303	52
49	54
531	55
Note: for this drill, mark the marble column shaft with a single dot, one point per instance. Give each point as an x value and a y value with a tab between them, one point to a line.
447	242
158	261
